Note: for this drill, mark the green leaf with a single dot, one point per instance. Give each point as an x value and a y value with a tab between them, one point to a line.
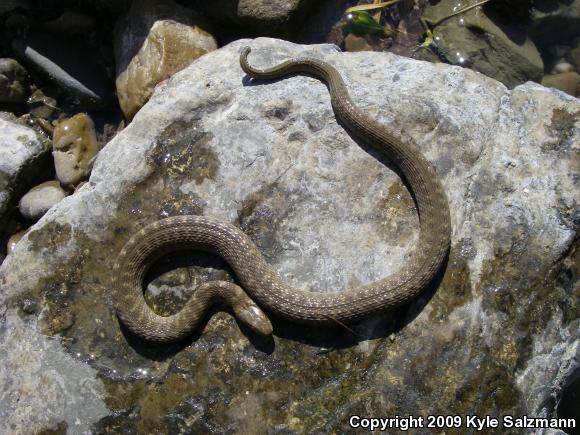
361	23
428	39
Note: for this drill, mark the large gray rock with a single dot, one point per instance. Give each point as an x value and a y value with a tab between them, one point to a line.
495	335
23	153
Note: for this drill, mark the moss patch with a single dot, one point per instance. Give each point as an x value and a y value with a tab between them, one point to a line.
182	149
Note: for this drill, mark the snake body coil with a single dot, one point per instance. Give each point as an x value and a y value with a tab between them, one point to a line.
260	282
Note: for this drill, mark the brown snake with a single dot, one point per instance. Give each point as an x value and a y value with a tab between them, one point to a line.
264	289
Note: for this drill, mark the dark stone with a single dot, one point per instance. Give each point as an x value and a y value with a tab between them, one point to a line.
12	5
14	82
568	406
554	21
68	65
262	17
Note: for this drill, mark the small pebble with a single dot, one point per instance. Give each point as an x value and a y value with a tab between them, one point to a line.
38	200
563	67
41	105
45	125
75	147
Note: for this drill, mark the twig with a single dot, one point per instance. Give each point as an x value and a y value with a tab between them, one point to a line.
460	11
356	334
371	6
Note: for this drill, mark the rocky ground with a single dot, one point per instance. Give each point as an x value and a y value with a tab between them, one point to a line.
116	114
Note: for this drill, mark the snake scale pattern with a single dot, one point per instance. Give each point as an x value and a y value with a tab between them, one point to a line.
260	286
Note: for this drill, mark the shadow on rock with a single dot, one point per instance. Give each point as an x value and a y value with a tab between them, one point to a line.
379	326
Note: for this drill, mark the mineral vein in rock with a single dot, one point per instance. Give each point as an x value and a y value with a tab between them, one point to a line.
263	288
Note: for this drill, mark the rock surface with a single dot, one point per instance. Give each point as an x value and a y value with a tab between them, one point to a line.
473	40
154	41
494	335
38	200
75	147
23	152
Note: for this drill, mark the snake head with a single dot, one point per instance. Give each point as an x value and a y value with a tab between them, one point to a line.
252	316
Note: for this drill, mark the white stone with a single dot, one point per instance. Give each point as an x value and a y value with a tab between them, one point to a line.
38	200
563	67
21	152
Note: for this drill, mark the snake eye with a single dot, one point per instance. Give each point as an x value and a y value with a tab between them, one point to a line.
350	17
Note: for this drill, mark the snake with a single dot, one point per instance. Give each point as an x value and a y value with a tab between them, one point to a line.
259	288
